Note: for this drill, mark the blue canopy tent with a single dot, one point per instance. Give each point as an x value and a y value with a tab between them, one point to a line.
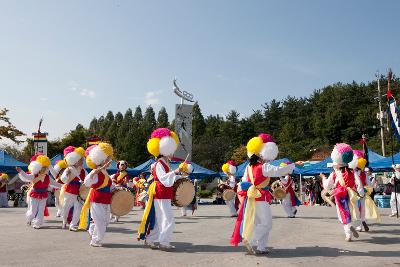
111	170
385	164
322	166
199	172
8	163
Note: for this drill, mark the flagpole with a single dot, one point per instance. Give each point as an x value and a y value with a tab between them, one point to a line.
389	94
381	115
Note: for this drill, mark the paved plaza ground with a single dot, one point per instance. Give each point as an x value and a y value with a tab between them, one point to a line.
315	238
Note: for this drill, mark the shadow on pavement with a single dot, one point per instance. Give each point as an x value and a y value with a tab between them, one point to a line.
183	247
121	230
123	246
302	252
382	240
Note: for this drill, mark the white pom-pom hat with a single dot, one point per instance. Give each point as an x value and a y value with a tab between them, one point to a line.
262	146
342	154
163	142
97	155
229	167
38	162
60	165
73	154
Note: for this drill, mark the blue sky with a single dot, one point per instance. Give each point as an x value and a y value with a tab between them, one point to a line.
73	60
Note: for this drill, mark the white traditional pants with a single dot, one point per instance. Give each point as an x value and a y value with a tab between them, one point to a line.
70	201
231	206
393	202
58	206
35	212
287	206
347	230
100	214
184	211
164	225
262	225
3	200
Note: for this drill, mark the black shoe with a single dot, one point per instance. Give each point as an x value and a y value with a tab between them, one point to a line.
354	232
366	228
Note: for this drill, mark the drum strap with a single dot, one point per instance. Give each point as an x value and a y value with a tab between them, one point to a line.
85	216
250	213
121	176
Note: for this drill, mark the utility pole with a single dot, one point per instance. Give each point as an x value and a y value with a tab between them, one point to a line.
380	114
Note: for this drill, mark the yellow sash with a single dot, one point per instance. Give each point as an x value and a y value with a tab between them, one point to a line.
84	218
121	176
353	198
353	204
371	211
250	213
151	192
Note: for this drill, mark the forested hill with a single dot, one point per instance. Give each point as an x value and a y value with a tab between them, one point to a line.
336	113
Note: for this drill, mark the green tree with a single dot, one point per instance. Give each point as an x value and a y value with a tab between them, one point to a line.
112	132
7	129
105	126
198	123
162	118
149	121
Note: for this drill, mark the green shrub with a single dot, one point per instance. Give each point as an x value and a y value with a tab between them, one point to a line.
205	193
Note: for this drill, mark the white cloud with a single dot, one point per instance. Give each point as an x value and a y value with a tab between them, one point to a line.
74	87
221	77
44	99
88	93
152	98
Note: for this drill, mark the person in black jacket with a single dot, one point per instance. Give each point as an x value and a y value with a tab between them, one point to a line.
317	188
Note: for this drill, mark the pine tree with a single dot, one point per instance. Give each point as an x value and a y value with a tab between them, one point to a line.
149	121
122	134
93	126
138	116
112	132
162	118
108	120
198	124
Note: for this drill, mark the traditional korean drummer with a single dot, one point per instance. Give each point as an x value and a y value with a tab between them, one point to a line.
98	158
229	169
158	222
120	180
192	206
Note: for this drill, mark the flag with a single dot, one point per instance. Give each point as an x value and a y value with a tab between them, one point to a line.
393	110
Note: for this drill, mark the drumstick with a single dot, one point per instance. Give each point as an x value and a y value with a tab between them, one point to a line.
184	162
187	157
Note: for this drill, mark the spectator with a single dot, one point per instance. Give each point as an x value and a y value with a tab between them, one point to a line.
317	188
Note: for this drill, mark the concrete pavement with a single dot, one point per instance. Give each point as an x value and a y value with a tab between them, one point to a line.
315	238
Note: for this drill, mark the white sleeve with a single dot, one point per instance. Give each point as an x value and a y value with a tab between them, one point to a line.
245	178
328	183
53	172
368	181
26	177
167	179
89	181
232	181
64	177
360	188
54	184
270	170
